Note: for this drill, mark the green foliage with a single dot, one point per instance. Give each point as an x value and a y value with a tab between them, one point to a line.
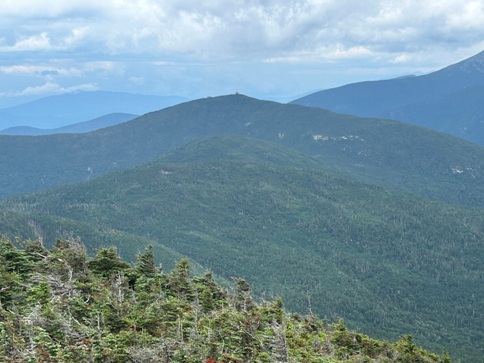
210	295
14	260
15	267
107	262
178	281
100	317
388	263
145	262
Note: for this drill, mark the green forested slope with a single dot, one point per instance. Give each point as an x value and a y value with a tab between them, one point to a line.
49	227
58	305
391	154
388	263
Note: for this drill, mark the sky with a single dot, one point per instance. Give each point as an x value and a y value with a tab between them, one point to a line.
268	49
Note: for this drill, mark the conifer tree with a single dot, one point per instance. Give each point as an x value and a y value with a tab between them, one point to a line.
145	262
107	262
162	318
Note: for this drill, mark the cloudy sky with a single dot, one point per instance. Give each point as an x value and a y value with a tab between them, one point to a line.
263	48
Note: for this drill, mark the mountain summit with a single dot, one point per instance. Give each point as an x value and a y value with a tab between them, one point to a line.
389	153
474	64
450	100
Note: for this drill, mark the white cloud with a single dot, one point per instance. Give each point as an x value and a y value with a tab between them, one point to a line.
50	88
117	41
76	36
32	43
64	68
244	28
401	58
20	69
107	67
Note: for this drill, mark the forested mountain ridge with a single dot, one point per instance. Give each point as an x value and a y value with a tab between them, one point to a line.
59	305
391	154
448	100
389	263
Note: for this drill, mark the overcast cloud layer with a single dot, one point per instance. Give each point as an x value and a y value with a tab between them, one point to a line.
261	48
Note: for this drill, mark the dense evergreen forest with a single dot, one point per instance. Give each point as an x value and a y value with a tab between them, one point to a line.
372	221
388	263
60	305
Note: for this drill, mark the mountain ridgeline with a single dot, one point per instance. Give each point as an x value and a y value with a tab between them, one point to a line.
450	100
389	263
388	153
374	221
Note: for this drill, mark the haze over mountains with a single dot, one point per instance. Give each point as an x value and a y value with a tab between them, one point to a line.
80	127
66	109
376	221
450	100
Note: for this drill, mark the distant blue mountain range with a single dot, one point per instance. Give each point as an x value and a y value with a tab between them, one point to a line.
81	127
72	108
450	100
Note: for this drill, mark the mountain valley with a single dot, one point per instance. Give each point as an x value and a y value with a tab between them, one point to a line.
387	262
374	221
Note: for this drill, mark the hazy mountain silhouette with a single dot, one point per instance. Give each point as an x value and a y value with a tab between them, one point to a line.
449	100
81	127
66	109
